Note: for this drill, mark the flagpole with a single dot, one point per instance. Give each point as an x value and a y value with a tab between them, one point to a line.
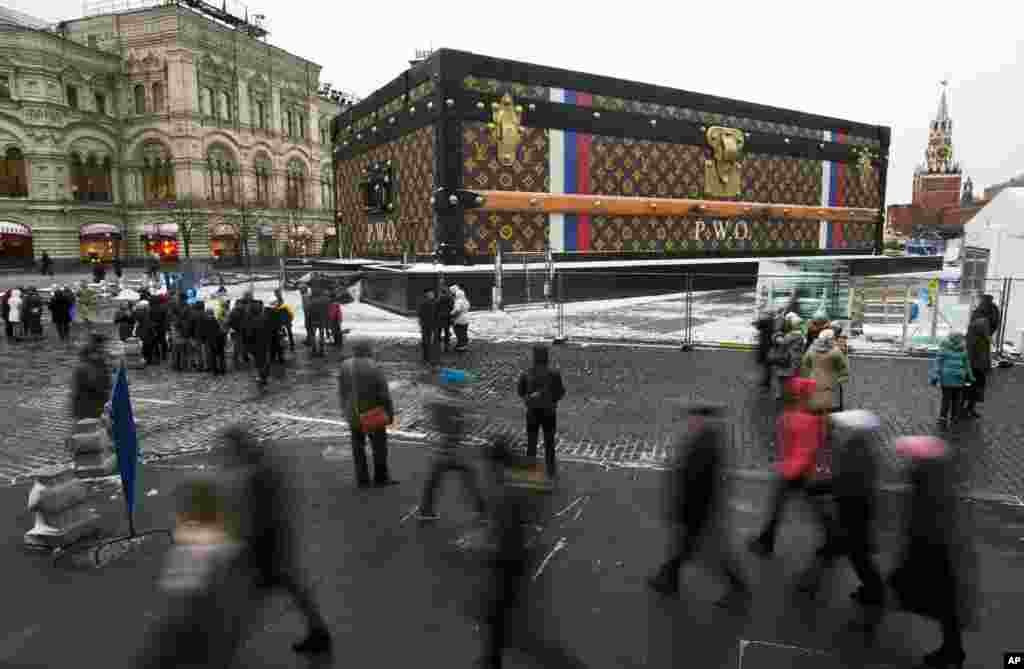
127	447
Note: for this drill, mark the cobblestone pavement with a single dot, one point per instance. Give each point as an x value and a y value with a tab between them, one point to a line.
623	404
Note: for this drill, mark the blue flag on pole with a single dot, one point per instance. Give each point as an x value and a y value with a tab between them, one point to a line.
124	437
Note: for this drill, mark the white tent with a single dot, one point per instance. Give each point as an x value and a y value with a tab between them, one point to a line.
999	228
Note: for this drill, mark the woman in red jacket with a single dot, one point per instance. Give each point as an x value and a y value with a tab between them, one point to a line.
800	435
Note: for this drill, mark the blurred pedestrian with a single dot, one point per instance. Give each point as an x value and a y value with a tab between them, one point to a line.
854	488
460	318
512	606
160	315
427	313
799	435
86	305
541	389
334	318
266	342
788	352
979	356
319	305
818	322
46	264
696	508
765	325
827	365
937	570
366	403
445	305
449	412
950	369
268	506
208	579
118	268
91	381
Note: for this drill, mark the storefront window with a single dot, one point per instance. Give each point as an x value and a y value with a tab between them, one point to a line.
13	179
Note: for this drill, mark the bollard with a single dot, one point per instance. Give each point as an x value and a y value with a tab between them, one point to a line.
133	354
58	500
91	448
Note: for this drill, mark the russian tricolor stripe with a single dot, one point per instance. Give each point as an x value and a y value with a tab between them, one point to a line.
569	171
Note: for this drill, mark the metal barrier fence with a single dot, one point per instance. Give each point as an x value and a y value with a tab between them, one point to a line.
884	314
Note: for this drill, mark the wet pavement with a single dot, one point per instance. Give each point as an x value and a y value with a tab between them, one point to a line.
396	594
622	406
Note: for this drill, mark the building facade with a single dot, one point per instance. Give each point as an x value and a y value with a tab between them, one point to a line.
160	130
942	202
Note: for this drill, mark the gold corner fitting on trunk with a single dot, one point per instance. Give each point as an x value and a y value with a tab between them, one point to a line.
722	176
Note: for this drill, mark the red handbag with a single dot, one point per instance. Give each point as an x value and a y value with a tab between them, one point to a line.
374	419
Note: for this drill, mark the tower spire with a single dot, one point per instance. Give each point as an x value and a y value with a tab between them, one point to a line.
939	152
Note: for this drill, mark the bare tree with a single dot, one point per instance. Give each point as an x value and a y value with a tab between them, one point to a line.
190	216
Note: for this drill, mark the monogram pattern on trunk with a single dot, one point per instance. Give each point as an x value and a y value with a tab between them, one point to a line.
517	231
413	157
860	195
781	180
642	168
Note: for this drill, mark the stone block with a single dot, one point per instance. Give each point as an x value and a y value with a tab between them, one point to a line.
59	502
92	449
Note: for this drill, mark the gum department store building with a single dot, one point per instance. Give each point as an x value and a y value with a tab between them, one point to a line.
138	131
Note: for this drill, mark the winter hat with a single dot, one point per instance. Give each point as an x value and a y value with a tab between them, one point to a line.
142	304
921	447
857	420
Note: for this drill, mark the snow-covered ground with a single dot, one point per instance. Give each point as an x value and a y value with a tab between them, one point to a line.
722	317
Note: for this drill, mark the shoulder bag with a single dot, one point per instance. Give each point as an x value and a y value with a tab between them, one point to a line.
374	419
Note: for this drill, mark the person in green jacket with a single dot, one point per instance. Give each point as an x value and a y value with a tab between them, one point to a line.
950	369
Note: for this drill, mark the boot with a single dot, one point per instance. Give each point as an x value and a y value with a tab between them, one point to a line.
666	581
316	642
943	659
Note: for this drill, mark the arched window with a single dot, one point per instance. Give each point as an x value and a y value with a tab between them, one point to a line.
157	173
158	97
206	102
106	181
79	179
222	171
295	185
261	115
13	182
263	169
140	99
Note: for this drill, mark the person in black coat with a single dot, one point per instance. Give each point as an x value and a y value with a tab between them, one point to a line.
160	316
541	389
428	317
118	268
267	505
445	304
33	314
145	331
213	342
266	341
512	604
854	488
91	381
936	572
988	309
60	311
46	264
236	325
695	500
125	321
765	325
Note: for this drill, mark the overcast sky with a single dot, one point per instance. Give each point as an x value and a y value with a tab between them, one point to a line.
862	60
